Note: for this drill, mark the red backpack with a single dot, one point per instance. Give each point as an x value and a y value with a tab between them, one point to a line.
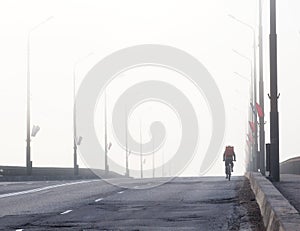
229	151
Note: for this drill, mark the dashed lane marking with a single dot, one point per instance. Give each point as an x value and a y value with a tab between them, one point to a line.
100	199
65	212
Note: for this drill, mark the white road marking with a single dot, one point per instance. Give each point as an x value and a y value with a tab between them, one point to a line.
65	212
100	199
19	229
136	186
44	188
120	192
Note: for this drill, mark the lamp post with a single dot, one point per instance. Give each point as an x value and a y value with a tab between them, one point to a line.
257	162
28	149
262	158
76	167
252	116
105	138
127	162
153	159
141	150
76	141
126	140
163	163
274	126
249	151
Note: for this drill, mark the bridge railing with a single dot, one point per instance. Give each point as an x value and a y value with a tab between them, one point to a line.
290	166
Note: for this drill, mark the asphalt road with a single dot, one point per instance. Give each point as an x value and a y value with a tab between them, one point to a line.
202	203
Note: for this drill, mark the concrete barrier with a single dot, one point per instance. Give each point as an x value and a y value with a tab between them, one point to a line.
278	214
17	173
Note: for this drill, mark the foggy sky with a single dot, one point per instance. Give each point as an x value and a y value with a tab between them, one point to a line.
201	28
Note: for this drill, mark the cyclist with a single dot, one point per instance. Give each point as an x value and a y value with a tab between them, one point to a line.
229	157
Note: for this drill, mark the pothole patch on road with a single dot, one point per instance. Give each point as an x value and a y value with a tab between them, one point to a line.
222	201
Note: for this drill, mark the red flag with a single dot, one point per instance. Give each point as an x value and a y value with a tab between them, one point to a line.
259	110
250	138
252	126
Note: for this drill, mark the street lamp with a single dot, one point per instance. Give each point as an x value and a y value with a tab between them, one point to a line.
141	150
256	166
261	97
106	167
163	163
76	140
274	124
28	149
250	162
153	159
35	130
128	152
254	147
126	141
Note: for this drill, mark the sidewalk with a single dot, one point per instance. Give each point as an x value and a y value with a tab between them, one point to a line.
289	186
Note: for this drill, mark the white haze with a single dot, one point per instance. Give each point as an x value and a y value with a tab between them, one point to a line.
200	27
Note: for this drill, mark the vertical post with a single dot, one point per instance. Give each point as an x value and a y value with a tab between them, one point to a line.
153	159
254	155
268	150
250	114
28	158
261	97
252	98
163	163
75	140
105	138
274	127
28	148
253	148
254	102
74	124
126	140
141	150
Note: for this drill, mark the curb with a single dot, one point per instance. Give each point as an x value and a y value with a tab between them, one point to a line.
278	214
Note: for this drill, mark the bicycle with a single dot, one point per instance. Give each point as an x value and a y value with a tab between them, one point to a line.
228	171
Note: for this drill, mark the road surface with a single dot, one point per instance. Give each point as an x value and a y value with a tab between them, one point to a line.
199	203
